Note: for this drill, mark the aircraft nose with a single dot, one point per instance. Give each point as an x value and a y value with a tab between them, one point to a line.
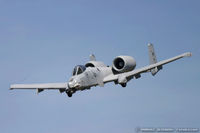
73	84
70	84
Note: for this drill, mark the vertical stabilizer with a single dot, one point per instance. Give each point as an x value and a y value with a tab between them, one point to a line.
152	59
152	55
92	57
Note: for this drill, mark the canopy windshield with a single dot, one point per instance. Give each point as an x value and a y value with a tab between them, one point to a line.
78	69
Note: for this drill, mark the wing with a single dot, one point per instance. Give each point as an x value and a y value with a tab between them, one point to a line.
137	72
41	87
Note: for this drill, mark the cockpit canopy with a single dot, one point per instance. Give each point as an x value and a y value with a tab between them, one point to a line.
78	69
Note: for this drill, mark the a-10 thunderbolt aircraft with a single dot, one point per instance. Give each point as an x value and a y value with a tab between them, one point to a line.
95	73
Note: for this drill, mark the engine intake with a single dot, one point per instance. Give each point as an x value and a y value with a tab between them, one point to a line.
123	64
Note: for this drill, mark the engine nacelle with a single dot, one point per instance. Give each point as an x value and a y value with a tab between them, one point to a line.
123	64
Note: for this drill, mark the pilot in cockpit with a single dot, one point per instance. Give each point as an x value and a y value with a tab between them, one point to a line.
78	70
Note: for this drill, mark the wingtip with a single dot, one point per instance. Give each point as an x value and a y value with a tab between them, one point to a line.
188	54
10	87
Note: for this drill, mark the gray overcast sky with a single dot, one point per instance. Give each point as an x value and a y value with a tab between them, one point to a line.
41	41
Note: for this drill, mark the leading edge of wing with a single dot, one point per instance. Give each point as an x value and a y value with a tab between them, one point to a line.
163	62
40	86
112	77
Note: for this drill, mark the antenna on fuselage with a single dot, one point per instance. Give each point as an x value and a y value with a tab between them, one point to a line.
92	57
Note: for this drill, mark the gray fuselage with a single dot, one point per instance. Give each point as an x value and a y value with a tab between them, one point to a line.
92	76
